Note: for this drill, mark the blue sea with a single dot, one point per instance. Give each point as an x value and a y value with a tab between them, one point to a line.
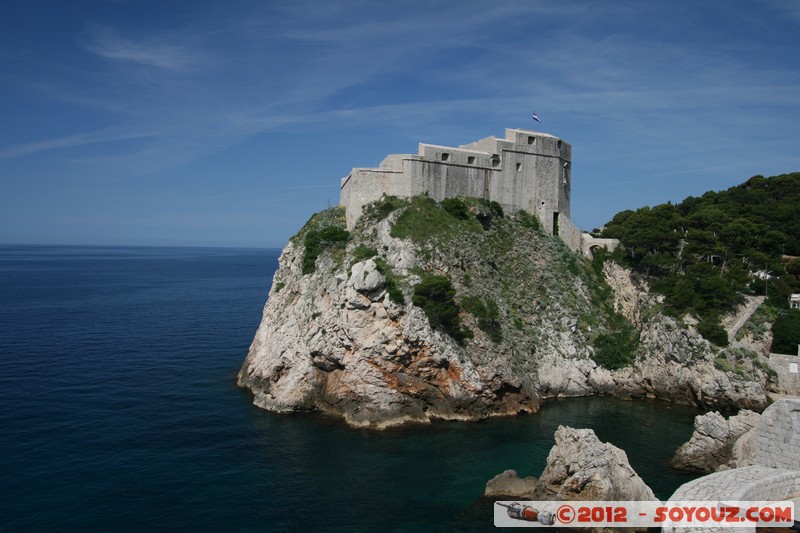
119	412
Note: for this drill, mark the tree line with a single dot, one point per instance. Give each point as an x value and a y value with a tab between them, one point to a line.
707	251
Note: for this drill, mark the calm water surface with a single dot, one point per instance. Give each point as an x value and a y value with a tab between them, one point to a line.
119	411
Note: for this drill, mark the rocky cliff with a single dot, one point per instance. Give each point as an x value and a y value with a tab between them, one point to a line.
459	311
580	467
717	443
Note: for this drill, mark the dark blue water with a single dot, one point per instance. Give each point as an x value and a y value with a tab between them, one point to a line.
119	411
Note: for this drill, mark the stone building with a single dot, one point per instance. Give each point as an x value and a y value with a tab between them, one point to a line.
526	170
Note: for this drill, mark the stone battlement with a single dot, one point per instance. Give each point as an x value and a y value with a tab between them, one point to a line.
527	170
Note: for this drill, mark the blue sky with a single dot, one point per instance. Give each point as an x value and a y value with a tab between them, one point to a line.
230	123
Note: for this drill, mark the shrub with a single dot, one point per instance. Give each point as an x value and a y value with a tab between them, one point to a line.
710	328
333	216
421	221
456	207
362	253
319	240
392	284
497	208
425	221
766	368
487	314
599	259
527	220
617	349
436	296
384	207
722	363
786	332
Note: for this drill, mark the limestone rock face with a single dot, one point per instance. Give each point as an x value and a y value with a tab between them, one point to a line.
580	467
630	296
713	445
341	341
676	364
339	344
673	363
366	279
508	485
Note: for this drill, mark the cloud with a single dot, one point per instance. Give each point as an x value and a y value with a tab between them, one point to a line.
351	65
153	52
100	136
788	7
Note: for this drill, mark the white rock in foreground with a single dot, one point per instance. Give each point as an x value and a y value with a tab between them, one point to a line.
713	444
580	467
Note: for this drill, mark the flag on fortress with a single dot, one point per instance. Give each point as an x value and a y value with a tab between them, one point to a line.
536	118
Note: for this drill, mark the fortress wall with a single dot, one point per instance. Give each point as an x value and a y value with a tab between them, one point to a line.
506	187
365	185
546	188
529	142
564	187
442	181
569	233
534	187
439	179
778	438
566	151
454	156
488	145
525	170
588	243
534	142
394	162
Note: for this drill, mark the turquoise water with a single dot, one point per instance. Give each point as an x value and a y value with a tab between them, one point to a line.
119	411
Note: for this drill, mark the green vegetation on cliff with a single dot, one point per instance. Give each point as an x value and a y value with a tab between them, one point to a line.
786	332
482	275
702	253
502	275
325	231
436	296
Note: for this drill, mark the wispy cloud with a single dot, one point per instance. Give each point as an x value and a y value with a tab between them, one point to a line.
643	79
152	52
100	136
789	7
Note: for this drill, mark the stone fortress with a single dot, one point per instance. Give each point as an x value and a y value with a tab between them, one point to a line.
527	170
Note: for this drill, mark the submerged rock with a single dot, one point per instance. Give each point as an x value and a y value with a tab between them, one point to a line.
508	485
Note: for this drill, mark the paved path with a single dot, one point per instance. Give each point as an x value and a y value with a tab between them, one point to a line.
753	304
